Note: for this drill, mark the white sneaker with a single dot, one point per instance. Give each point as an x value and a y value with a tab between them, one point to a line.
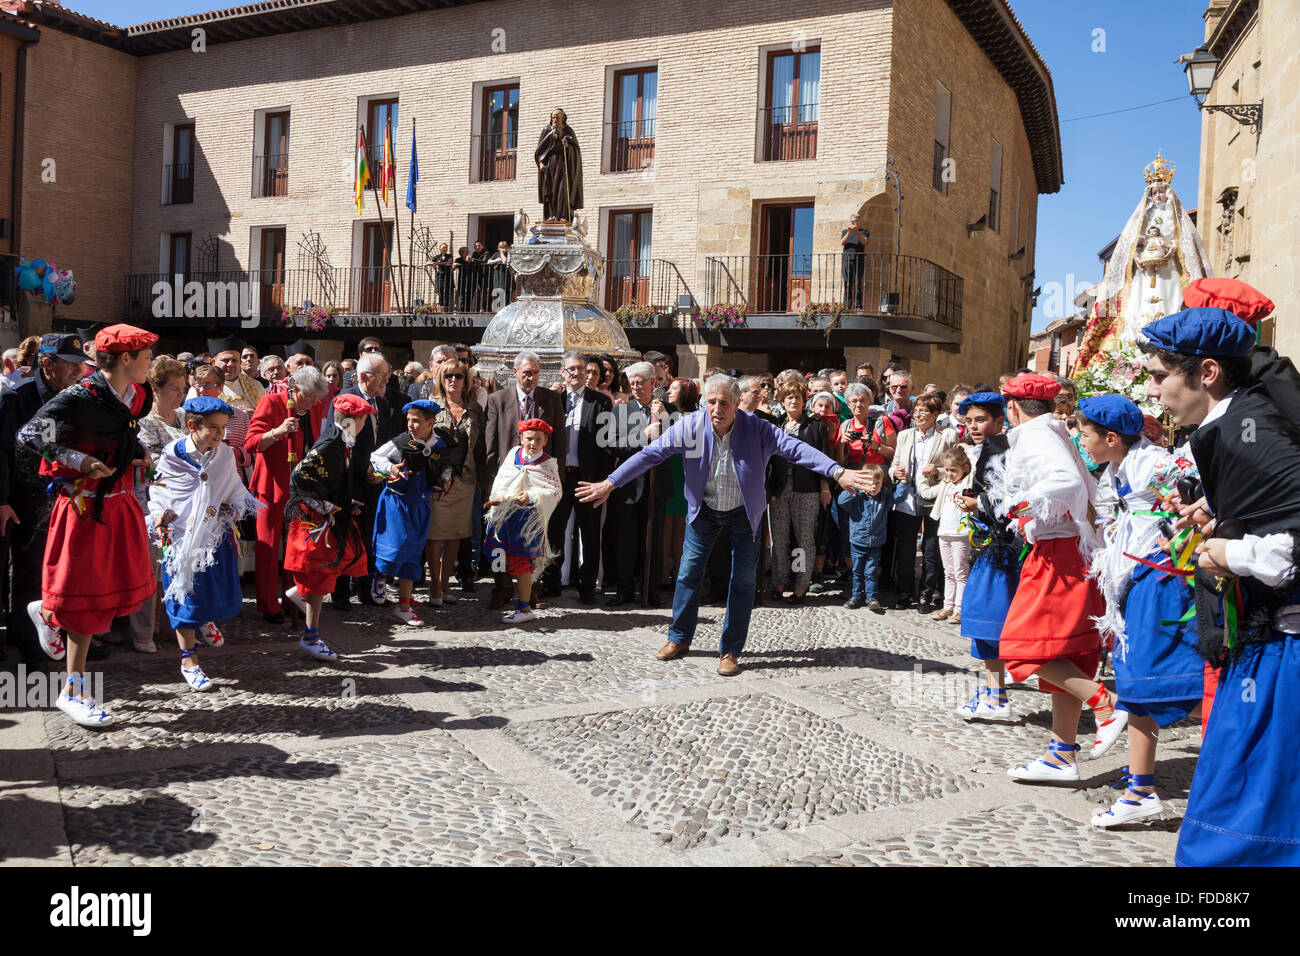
408	617
991	708
1040	769
968	710
1108	731
520	616
377	591
317	649
85	712
212	635
46	633
145	646
197	679
1126	809
298	600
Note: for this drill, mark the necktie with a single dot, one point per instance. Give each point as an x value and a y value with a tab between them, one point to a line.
528	406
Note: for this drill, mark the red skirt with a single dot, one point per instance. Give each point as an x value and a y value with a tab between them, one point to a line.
312	560
1050	617
95	572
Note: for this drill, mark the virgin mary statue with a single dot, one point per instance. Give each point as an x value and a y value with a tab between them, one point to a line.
1156	255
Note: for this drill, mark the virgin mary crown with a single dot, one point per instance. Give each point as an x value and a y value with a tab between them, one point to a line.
1159	171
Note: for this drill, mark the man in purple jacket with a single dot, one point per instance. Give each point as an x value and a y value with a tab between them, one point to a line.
724	454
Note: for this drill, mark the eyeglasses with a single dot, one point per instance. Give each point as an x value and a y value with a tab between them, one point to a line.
898	388
576	369
207	384
373	348
454	376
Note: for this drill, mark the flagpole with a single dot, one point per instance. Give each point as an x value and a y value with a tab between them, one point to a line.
397	229
379	209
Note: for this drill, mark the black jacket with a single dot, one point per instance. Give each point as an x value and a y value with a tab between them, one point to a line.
625	436
390	422
595	460
21	486
811	432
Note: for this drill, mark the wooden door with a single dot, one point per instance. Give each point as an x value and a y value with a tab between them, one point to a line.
376	274
629	259
275	166
784	273
182	172
500	133
272	300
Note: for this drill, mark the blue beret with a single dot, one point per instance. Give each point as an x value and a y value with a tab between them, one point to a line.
1113	412
1210	332
202	405
980	398
424	404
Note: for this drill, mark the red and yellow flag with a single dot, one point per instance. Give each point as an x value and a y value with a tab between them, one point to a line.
363	172
388	175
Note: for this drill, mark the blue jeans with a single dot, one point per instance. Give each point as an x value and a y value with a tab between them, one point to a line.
700	536
866	568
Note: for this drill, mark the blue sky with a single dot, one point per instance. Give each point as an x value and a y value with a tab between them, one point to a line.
1133	65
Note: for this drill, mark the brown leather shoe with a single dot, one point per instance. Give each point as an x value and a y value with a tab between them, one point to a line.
672	650
728	666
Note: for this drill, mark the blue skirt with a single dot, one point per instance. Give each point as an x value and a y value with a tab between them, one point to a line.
984	604
401	529
217	595
1161	666
1242	807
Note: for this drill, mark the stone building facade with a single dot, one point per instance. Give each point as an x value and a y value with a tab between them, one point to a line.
1249	182
950	93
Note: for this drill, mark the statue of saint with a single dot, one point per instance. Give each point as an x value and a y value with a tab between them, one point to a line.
559	170
1158	252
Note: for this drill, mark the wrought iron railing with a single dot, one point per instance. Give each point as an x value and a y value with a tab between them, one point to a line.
271	175
872	284
494	156
788	132
362	290
631	145
653	284
178	184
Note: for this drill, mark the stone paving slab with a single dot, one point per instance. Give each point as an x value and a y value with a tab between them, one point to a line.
1024	835
262	695
410	801
697	772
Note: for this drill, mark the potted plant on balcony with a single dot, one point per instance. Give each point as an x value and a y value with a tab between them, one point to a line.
808	315
721	316
635	316
314	319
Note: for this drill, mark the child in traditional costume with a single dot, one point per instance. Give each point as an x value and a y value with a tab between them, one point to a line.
1241	810
97	563
323	541
413	467
525	492
196	499
995	569
1159	675
1050	628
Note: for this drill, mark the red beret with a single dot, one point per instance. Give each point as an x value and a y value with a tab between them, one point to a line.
123	338
1030	385
535	425
1249	305
353	405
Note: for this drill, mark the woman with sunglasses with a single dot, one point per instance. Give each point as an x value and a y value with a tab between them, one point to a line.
454	511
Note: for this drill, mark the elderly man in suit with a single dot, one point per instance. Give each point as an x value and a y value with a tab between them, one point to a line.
371	385
506	408
725	453
586	413
272	434
636	423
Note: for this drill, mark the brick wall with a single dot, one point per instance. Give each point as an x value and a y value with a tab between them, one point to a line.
931	44
79	114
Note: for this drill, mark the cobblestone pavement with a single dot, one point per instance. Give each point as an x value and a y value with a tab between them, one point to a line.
564	742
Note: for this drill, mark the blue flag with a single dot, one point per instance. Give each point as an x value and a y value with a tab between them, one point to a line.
413	176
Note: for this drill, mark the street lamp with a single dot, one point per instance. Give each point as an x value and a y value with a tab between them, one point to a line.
1200	68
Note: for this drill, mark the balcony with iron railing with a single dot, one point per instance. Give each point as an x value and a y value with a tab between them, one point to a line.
647	285
631	145
873	285
178	184
270	175
479	291
494	157
788	132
